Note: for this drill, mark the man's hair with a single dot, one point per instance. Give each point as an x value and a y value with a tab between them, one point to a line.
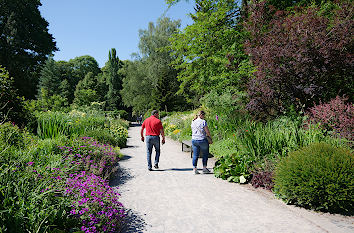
154	112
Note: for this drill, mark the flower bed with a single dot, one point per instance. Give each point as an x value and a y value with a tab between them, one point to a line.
58	185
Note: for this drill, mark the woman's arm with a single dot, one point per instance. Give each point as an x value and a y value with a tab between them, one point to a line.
207	131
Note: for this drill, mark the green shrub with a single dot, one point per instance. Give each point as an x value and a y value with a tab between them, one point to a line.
233	167
224	147
103	136
10	135
163	114
11	103
120	134
319	176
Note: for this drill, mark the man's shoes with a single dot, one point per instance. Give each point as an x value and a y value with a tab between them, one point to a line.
196	172
150	169
156	166
206	171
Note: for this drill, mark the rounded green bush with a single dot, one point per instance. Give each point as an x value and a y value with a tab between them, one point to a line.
319	176
10	135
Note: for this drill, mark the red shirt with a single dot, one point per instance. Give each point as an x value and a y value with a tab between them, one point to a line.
153	126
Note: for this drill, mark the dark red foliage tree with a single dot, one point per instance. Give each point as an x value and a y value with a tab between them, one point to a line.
301	56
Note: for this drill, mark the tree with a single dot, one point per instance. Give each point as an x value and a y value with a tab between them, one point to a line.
204	50
11	104
101	88
85	92
301	56
50	79
64	89
68	80
163	76
150	81
137	86
114	80
82	65
24	43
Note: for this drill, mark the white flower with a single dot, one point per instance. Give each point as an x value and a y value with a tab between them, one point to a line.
242	180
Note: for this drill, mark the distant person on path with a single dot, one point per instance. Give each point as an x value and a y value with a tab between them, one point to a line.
154	128
139	119
200	131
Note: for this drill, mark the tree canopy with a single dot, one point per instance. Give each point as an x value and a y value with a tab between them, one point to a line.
150	81
25	43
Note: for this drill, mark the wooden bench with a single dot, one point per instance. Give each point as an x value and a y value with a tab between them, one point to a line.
187	147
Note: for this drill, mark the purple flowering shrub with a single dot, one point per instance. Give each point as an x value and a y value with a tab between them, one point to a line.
89	155
94	202
50	188
336	116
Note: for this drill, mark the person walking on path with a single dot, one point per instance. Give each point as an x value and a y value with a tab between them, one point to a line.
200	131
154	128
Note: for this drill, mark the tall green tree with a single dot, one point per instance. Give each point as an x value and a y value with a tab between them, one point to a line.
114	80
50	78
25	43
86	92
68	80
150	81
137	88
209	52
163	76
82	65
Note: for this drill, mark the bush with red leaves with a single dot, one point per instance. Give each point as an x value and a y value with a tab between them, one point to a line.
263	179
336	116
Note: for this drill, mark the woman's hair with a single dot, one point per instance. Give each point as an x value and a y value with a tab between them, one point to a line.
199	114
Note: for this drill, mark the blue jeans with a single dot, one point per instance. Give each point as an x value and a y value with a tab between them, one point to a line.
150	142
200	145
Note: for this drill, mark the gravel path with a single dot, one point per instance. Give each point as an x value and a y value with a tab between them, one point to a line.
172	199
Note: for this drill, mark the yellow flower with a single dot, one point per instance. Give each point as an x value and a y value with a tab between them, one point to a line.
176	131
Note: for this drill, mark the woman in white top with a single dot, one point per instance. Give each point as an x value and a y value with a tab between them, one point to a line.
200	131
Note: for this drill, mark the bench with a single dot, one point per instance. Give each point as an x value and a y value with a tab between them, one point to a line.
187	146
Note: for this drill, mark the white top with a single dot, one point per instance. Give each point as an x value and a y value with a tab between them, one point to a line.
198	132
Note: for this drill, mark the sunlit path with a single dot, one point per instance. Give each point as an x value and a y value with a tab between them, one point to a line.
172	199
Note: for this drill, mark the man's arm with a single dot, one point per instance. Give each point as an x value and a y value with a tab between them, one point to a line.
142	132
163	135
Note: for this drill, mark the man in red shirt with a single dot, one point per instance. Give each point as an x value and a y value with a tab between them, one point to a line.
154	128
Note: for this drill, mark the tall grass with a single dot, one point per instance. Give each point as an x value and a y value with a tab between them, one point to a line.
53	124
277	138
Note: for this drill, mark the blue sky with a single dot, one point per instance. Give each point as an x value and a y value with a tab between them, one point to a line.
93	27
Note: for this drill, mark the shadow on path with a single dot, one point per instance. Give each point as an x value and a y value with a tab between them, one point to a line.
134	124
122	175
133	221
